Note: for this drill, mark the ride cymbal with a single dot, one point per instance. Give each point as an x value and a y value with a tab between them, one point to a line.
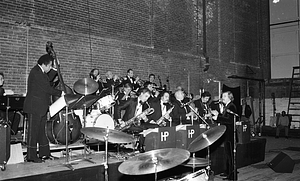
207	138
113	135
86	86
154	161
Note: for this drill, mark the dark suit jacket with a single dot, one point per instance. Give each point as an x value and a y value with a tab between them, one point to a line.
129	106
127	80
227	119
157	110
2	91
201	107
37	100
179	113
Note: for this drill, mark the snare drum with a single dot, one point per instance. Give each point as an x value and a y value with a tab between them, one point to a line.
200	175
106	102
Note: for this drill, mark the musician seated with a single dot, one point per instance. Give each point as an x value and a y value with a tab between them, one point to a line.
2	91
125	93
161	115
95	75
154	92
151	80
181	113
130	79
110	82
203	107
133	107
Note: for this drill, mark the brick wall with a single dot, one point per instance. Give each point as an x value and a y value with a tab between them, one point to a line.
159	38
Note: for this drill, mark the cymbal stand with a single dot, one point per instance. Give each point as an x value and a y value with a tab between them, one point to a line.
106	155
84	138
155	161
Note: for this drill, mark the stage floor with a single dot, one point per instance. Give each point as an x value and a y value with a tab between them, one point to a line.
84	170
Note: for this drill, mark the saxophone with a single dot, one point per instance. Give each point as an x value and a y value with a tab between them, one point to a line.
135	120
161	121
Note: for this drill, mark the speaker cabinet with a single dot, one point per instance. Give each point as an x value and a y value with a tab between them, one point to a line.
282	163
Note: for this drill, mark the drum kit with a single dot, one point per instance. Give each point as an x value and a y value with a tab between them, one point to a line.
159	160
150	162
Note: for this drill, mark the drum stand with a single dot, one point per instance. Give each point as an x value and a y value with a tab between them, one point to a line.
84	139
106	155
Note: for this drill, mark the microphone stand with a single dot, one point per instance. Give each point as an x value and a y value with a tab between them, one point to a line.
234	148
234	144
208	127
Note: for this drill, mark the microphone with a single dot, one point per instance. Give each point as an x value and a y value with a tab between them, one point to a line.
229	111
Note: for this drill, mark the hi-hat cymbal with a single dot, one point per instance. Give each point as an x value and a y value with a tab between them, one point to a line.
154	161
207	138
196	162
86	86
113	135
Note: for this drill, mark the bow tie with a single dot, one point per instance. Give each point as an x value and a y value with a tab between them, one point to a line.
141	102
165	104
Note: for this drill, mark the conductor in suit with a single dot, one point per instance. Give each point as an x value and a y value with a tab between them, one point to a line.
227	119
36	106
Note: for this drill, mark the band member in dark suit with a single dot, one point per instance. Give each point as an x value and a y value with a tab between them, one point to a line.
202	106
181	113
154	93
227	119
1	84
130	79
110	82
36	106
161	106
151	80
133	107
95	75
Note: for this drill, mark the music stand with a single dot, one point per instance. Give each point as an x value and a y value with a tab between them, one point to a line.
62	102
83	103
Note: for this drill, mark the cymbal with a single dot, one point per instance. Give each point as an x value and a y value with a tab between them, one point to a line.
196	162
207	138
154	161
84	102
113	135
86	86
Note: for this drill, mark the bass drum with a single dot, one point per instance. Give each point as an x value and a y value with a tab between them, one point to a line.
91	119
96	119
105	121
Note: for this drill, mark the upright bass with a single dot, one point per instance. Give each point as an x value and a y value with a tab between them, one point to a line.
56	126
